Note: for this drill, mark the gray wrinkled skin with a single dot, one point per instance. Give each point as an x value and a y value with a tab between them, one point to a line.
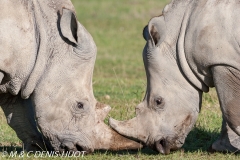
192	46
46	65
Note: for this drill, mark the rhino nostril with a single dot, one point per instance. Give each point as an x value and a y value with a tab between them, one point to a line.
67	146
79	148
159	146
163	142
162	146
63	147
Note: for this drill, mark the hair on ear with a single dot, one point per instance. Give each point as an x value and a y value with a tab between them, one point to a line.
155	35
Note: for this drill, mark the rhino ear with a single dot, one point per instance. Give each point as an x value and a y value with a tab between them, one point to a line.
156	27
153	34
69	25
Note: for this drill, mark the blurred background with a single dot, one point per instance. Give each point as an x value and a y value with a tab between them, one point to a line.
116	26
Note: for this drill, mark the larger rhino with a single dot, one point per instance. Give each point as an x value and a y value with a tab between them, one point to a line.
192	46
46	65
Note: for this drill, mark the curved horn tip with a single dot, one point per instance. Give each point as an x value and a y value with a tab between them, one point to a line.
112	122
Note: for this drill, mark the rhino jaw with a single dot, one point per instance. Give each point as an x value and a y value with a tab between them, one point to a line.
134	129
102	137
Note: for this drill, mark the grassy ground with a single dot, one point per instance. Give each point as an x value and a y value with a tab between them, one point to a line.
116	27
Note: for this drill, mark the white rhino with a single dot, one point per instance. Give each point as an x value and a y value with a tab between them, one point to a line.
46	65
192	46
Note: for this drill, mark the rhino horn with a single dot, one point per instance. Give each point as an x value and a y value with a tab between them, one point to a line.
111	140
131	128
108	138
102	110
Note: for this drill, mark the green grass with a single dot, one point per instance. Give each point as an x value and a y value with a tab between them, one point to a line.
116	26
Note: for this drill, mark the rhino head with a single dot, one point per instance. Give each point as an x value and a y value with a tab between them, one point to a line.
171	103
60	86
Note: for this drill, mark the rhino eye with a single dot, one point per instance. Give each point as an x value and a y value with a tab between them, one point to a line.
79	105
80	108
158	104
159	101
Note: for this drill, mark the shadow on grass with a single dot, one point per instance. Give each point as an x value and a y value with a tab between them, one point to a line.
199	139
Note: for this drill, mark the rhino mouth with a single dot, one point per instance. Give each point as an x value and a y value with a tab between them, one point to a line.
78	148
67	143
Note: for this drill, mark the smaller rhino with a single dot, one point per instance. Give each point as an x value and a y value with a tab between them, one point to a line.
46	66
192	46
